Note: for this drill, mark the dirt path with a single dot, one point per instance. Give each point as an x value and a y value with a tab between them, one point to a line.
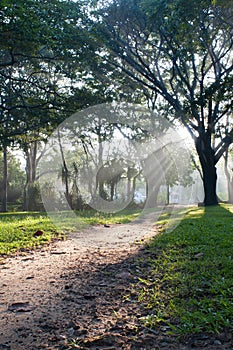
79	289
38	290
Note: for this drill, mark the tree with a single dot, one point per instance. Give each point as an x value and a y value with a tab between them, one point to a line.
26	115
36	56
4	180
35	30
180	161
183	53
15	179
36	71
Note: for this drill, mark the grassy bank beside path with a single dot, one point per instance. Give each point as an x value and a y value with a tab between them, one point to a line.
186	282
27	230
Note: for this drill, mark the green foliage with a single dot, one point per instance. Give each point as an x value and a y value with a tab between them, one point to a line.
38	40
33	29
189	283
181	162
182	52
33	197
16	178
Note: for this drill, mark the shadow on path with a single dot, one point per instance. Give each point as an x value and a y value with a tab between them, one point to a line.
90	304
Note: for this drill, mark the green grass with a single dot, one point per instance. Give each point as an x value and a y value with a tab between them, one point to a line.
17	229
92	217
187	281
189	285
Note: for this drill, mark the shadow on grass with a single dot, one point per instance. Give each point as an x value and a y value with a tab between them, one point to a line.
180	282
193	267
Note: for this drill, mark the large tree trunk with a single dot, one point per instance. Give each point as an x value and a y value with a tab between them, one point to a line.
168	194
229	177
152	195
209	171
31	167
26	201
230	191
65	172
4	182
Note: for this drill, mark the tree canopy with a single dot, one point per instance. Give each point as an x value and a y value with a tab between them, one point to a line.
175	56
183	52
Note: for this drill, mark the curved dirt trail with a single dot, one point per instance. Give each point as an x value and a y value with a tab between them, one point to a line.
44	291
82	289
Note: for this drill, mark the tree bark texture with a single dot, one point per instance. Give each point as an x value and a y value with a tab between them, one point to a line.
208	165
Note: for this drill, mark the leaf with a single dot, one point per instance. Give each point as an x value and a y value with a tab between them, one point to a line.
21	307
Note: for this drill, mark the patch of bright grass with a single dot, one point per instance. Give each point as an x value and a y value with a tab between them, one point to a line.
189	285
17	229
92	217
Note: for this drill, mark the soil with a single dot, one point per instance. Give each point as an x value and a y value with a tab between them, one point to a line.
80	289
